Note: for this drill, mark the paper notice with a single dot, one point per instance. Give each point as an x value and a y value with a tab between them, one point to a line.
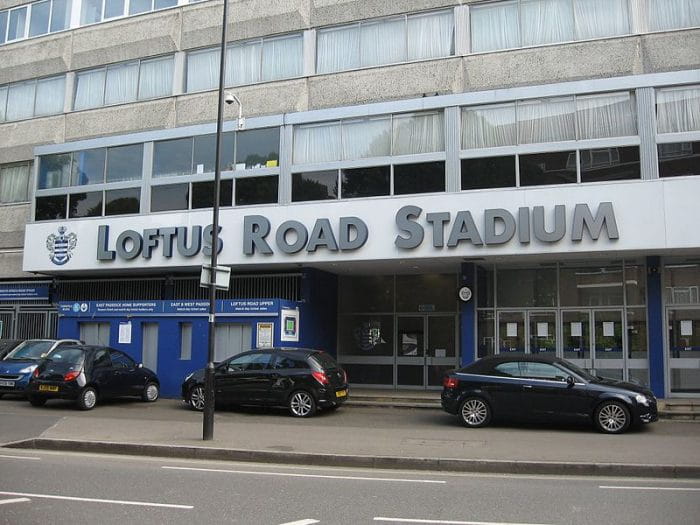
686	327
576	329
609	329
511	329
542	330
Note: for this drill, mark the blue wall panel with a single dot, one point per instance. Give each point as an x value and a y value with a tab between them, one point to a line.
655	313
467	316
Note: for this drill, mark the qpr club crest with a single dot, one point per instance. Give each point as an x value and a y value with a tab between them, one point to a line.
61	246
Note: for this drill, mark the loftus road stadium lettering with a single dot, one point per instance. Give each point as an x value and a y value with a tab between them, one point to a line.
442	228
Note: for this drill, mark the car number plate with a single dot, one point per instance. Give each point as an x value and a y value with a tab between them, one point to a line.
7	383
48	388
341	393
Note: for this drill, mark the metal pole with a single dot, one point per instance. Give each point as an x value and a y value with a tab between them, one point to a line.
208	420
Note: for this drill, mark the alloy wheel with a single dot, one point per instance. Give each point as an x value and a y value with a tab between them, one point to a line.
301	404
474	412
151	393
89	398
612	418
197	397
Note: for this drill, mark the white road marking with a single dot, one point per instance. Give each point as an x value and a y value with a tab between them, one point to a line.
288	474
96	500
14	500
448	522
302	522
17	457
690	489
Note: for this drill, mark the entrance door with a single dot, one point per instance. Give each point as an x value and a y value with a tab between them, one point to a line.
684	350
576	335
511	332
231	339
425	349
609	344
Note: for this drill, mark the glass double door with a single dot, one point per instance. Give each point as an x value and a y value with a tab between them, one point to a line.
593	339
425	348
683	350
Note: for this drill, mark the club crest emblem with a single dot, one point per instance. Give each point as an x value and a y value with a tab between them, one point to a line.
61	246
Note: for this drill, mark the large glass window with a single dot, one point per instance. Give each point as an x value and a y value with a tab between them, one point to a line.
427	177
170	197
603	164
435	292
85	204
678	109
203	194
591	286
673	14
124	163
122	202
527	287
172	157
39	22
32	98
385	41
257	148
682	281
3	27
256	190
365	182
366	293
50	208
14	182
548	168
54	171
315	186
492	172
17	24
88	167
679	159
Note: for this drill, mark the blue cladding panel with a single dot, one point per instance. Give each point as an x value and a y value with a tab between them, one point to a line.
655	313
467	317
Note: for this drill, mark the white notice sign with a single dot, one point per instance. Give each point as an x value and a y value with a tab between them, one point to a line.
576	329
125	333
511	329
609	329
686	327
441	352
542	330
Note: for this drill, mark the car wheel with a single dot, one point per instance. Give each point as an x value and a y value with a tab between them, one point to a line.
150	393
302	404
474	412
612	417
87	398
36	401
195	398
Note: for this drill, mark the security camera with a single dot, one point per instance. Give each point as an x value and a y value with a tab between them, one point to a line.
229	98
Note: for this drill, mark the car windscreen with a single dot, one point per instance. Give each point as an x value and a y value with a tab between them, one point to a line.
30	350
69	356
324	360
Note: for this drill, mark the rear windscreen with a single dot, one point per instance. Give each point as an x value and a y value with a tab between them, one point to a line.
73	356
30	350
325	360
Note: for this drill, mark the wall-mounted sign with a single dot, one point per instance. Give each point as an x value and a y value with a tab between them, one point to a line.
465	294
248	307
24	292
125	333
264	335
289	325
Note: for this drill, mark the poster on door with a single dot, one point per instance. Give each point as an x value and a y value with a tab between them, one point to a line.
290	325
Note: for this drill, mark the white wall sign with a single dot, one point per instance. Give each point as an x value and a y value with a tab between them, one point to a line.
608	329
542	330
465	294
511	329
686	327
290	325
576	329
125	333
264	335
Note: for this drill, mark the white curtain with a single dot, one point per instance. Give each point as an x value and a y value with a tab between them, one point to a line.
243	63
673	14
90	12
3	103
14	183
50	95
546	21
20	100
366	138
546	120
338	49
488	126
678	110
156	78
90	88
202	70
494	27
430	36
601	18
609	115
317	143
383	42
121	83
418	133
282	57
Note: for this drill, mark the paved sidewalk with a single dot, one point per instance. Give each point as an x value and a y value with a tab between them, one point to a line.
367	437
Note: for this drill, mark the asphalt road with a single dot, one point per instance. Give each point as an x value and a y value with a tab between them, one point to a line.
45	487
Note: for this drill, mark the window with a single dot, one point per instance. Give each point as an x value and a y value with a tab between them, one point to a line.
365	182
121	360
527	288
85	204
492	172
248	62
546	371
678	109
428	177
507	25
249	362
122	202
3	27
35	19
385	41
256	190
548	168
679	159
124	163
14	182
185	341
191	155
203	194
258	148
88	167
94	11
170	197
315	186
286	362
488	126
102	359
54	171
32	98
50	208
602	164
39	22
546	120
511	369
673	14
124	82
17	24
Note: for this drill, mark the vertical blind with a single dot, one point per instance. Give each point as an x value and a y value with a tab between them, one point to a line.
678	109
673	14
549	120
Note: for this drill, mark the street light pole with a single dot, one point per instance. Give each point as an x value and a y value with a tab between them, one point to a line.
208	420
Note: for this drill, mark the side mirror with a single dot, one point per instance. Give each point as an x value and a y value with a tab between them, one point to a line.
570	381
140	365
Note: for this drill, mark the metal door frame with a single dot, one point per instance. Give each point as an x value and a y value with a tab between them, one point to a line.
667	353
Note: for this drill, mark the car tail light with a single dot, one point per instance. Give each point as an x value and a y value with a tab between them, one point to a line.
70	376
321	378
450	382
345	377
36	372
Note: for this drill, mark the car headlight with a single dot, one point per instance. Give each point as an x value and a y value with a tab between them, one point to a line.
28	369
642	400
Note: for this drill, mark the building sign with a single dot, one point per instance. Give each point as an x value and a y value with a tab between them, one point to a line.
264	335
24	292
121	308
290	325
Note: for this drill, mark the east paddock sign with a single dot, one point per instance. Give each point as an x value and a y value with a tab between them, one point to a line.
306	234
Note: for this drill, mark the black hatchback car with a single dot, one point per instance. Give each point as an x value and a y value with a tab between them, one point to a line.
88	373
300	379
541	388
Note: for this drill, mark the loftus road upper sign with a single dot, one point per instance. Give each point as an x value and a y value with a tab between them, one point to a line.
634	217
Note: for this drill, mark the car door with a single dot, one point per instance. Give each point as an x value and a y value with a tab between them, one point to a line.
283	373
244	378
504	386
102	375
547	394
128	381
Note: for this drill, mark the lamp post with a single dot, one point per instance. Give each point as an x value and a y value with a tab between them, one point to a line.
208	419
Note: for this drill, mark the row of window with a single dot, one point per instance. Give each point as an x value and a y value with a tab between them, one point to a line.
562	167
38	18
32	98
